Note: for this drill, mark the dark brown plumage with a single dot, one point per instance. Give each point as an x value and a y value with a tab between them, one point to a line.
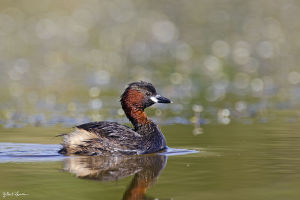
96	138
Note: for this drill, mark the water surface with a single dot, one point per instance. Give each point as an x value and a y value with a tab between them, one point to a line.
236	161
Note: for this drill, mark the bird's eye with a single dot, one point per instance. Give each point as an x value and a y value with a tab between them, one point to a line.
148	93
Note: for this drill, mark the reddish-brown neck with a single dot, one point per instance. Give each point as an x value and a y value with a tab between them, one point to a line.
132	104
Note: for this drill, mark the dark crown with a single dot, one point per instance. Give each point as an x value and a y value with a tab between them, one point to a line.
141	85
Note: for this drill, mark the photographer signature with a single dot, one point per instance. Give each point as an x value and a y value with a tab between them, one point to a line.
15	194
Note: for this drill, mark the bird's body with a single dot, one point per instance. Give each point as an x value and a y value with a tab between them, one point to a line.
103	137
97	138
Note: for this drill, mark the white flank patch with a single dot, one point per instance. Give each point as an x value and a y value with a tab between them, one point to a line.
78	137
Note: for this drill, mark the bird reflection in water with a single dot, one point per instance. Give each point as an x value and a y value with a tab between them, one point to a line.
145	168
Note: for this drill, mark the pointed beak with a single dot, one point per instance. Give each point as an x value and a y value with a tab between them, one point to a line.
160	99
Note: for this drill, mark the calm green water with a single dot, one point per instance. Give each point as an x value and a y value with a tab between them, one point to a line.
236	161
231	66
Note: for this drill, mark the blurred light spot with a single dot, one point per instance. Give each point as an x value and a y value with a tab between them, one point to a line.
164	31
241	52
94	92
265	49
257	85
46	29
220	48
212	64
197	108
240	106
95	104
194	119
176	78
224	112
294	78
224	120
102	77
197	131
241	80
223	116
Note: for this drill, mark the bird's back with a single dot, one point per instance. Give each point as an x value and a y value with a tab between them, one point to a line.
96	138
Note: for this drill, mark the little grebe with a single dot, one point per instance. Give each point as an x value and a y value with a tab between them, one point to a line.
96	138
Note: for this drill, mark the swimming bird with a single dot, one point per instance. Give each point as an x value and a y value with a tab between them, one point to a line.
103	137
